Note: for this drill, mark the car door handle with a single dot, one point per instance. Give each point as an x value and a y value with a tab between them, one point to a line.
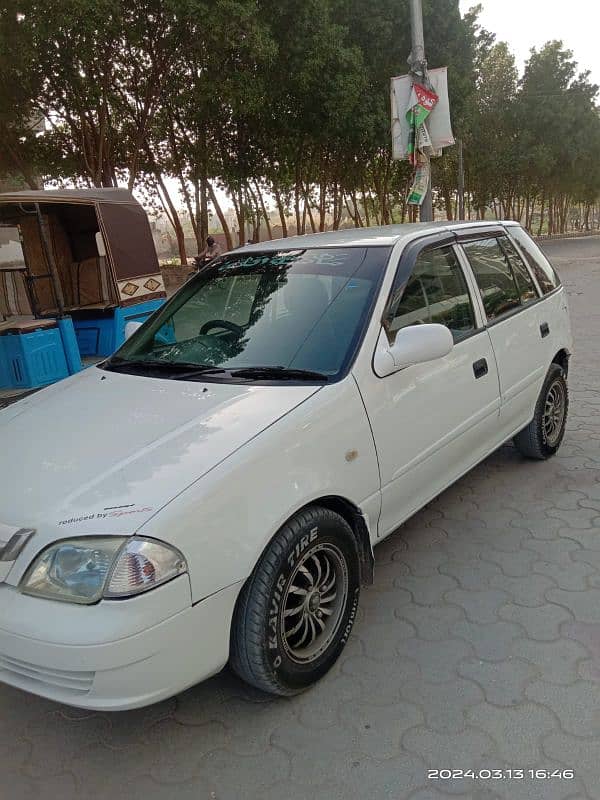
480	368
544	329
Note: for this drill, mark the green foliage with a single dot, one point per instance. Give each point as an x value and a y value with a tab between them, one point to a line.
283	102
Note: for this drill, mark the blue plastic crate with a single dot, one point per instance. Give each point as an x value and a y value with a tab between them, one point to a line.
137	313
101	333
96	335
4	373
33	359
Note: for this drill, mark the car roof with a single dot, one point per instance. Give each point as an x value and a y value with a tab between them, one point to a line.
386	235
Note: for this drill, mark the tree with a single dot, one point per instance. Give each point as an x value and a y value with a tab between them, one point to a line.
285	105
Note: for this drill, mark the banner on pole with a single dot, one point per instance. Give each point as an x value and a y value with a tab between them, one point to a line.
420	182
416	104
420	105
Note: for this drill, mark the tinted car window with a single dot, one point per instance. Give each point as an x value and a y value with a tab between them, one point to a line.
292	309
436	292
494	276
540	266
524	280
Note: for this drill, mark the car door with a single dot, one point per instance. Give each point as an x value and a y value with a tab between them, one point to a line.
509	298
431	422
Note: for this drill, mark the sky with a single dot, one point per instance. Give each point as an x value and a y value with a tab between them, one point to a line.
530	23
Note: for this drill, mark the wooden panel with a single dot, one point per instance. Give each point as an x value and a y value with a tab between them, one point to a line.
36	262
14	300
63	258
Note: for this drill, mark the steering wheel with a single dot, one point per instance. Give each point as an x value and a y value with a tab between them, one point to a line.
221	323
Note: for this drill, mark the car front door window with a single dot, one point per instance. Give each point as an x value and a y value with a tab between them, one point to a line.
436	292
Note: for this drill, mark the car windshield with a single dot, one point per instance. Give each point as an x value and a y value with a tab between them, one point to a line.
288	314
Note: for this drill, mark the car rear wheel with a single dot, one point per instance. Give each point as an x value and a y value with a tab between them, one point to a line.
544	434
296	611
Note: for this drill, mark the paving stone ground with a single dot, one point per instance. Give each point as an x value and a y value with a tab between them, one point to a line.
478	647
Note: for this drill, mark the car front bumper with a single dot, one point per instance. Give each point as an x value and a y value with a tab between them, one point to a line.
87	656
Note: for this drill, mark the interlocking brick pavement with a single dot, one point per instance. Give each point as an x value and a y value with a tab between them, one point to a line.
477	647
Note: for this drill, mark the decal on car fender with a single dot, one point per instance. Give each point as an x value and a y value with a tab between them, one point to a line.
107	513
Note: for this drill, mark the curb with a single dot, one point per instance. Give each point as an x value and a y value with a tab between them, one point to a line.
548	237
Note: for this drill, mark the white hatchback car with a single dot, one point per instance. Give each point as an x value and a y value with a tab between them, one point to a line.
212	492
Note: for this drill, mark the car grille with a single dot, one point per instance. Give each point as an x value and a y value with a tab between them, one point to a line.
22	673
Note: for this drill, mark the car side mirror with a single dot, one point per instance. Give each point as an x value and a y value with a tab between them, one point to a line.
131	327
415	344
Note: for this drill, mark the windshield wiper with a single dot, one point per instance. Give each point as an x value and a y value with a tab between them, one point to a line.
279	373
176	369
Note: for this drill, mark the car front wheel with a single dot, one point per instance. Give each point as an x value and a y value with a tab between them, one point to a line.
296	611
544	434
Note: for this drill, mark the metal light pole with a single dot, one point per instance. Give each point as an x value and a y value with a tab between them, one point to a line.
418	69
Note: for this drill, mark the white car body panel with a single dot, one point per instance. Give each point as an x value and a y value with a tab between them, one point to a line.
431	422
216	469
146	666
523	356
134	443
306	455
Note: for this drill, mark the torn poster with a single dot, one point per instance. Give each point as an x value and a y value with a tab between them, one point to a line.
421	104
439	128
420	183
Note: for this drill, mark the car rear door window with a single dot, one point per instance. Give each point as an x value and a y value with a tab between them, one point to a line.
524	280
436	292
540	266
494	276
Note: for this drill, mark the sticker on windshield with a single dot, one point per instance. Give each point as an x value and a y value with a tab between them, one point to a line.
278	260
319	258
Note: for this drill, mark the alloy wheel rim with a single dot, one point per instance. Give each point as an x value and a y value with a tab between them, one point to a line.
313	604
554	413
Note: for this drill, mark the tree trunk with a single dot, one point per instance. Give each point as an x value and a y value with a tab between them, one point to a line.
175	221
357	215
299	224
220	215
307	208
338	207
542	210
349	210
281	210
366	206
238	204
448	204
264	210
385	199
203	222
254	213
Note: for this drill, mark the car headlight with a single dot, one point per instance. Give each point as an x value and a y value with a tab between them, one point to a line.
88	569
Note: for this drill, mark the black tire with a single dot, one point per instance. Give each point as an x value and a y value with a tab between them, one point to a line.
265	650
542	437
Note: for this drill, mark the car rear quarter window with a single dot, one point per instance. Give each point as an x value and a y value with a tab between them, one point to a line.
494	276
546	277
436	292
